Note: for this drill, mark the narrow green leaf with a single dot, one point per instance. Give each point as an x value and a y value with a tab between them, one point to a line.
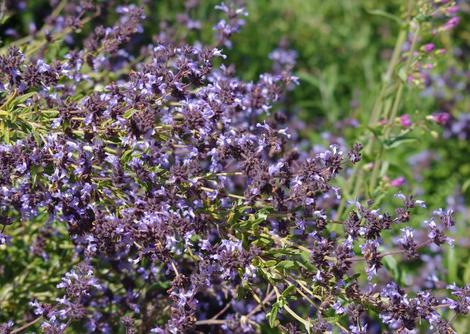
382	13
398	141
272	315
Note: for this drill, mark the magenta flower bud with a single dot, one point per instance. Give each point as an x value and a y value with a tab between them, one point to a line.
383	122
451	24
405	121
398	182
440	117
453	10
429	47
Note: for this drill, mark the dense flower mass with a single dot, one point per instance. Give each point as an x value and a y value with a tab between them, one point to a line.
189	201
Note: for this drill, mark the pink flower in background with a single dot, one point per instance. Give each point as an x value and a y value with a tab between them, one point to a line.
383	122
398	182
440	117
453	10
428	47
451	24
405	121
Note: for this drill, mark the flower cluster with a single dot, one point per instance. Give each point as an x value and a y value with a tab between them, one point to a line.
441	17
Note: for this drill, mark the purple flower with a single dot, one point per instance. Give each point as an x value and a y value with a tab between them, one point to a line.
451	23
408	242
398	182
405	121
440	118
428	47
5	239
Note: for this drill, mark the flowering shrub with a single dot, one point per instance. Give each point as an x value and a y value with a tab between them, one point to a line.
161	193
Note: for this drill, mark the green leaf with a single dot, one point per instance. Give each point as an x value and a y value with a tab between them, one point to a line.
309	78
466	275
272	315
452	265
384	168
11	103
466	185
376	130
391	264
398	141
382	13
285	265
402	75
269	263
288	291
352	278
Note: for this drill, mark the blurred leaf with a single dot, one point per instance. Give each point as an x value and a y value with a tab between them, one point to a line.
288	291
391	264
466	185
382	13
398	141
452	265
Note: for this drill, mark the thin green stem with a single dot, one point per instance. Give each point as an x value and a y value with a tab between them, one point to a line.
26	326
356	179
392	112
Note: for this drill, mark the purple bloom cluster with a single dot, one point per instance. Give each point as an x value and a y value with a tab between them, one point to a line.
233	22
443	17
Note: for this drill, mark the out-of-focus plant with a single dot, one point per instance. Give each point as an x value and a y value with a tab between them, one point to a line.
411	62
